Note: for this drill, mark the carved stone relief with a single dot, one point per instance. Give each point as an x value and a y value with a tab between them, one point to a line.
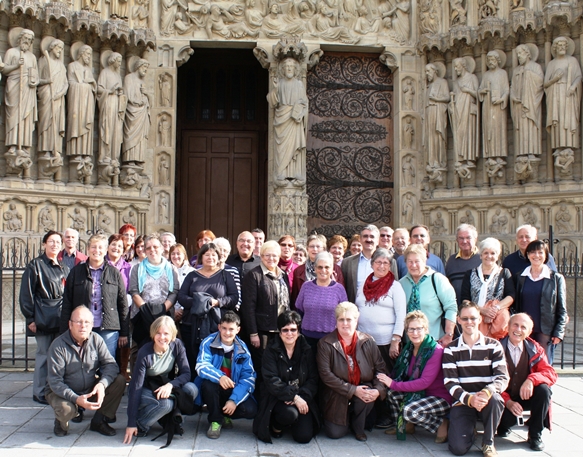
429	16
468	218
141	14
78	219
92	5
104	220
409	169
529	217
458	14
409	94
438	225
12	218
564	159
164	130
408	208
163	169
165	90
499	222
130	218
563	219
163	199
46	220
408	133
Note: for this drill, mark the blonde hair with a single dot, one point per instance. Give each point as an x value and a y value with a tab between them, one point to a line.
419	316
163	321
346	307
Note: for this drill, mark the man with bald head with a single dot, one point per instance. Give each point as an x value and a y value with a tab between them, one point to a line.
400	241
518	261
531	377
244	259
83	374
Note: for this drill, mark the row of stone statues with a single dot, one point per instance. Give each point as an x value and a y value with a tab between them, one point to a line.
122	9
62	100
346	21
561	84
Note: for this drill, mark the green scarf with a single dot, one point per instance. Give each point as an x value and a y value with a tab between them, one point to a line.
400	373
414	303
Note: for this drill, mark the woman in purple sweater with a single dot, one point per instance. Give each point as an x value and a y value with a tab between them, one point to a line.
416	393
318	299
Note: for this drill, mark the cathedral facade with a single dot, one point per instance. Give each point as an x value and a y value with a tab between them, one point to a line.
291	115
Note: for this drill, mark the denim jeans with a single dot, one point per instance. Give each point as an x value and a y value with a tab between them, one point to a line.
110	337
151	409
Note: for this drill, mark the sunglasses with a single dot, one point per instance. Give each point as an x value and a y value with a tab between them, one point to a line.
289	330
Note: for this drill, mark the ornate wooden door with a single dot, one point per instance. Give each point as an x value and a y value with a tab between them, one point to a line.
349	147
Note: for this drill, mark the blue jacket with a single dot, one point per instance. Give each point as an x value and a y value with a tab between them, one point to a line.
210	359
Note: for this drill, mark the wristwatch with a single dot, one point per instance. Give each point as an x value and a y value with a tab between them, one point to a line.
449	334
396	339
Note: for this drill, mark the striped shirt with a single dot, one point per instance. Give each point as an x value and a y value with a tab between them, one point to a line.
468	370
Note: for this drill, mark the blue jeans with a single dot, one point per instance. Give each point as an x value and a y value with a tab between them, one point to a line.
151	409
110	337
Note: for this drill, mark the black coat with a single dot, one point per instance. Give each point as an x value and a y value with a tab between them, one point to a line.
42	286
277	388
114	302
259	304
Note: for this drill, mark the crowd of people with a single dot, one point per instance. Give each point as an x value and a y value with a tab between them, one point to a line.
340	336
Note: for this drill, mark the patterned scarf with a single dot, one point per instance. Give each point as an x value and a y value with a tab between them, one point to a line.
401	370
374	290
310	270
414	303
482	289
282	290
350	354
145	268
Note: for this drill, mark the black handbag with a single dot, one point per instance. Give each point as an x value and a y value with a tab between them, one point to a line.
47	314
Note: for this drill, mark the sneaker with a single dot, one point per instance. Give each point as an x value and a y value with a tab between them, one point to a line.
214	431
227	423
59	430
489	450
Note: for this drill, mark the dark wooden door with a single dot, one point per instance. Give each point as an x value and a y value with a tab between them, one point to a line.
220	186
350	144
222	147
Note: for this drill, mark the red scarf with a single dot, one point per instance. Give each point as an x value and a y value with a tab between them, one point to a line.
284	264
374	290
350	354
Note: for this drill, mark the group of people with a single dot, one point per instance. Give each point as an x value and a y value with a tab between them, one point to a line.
387	337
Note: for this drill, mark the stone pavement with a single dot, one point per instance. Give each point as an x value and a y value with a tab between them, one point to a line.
26	429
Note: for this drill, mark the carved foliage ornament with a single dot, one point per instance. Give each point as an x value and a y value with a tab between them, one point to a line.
338	131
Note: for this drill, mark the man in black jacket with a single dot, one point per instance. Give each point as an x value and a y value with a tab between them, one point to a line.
99	286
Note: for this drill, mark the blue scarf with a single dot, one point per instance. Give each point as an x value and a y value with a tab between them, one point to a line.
145	268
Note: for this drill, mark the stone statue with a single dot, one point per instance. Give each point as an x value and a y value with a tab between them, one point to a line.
529	217
165	130
364	23
324	24
523	167
563	220
92	5
12	219
516	5
274	27
290	101
118	9
181	26
438	97
77	220
20	68
80	102
112	105
396	19
165	87
45	219
463	110
563	89
103	221
438	225
408	94
141	14
136	126
493	93
167	13
163	208
163	171
53	86
409	172
526	94
468	218
564	159
408	209
458	15
435	172
429	16
499	222
408	133
84	168
487	8
463	169
495	167
130	218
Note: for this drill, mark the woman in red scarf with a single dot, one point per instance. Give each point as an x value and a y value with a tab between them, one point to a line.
348	363
383	305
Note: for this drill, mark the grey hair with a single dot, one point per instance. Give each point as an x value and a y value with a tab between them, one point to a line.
381	253
387	229
70	229
492	244
326	256
170	234
467	228
371	228
533	231
223	243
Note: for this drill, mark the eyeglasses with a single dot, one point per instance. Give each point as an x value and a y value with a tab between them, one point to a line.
284	245
415	329
386	235
83	323
381	263
289	330
466	319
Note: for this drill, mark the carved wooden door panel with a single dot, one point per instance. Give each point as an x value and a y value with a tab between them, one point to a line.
219	179
349	145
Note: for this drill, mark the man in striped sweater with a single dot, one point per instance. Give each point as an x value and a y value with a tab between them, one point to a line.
475	373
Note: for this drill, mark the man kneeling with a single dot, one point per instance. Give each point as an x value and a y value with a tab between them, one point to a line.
73	361
226	377
531	378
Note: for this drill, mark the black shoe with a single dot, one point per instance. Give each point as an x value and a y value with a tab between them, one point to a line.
503	433
59	430
103	428
142	433
360	436
110	421
41	400
275	433
79	417
536	444
384	423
